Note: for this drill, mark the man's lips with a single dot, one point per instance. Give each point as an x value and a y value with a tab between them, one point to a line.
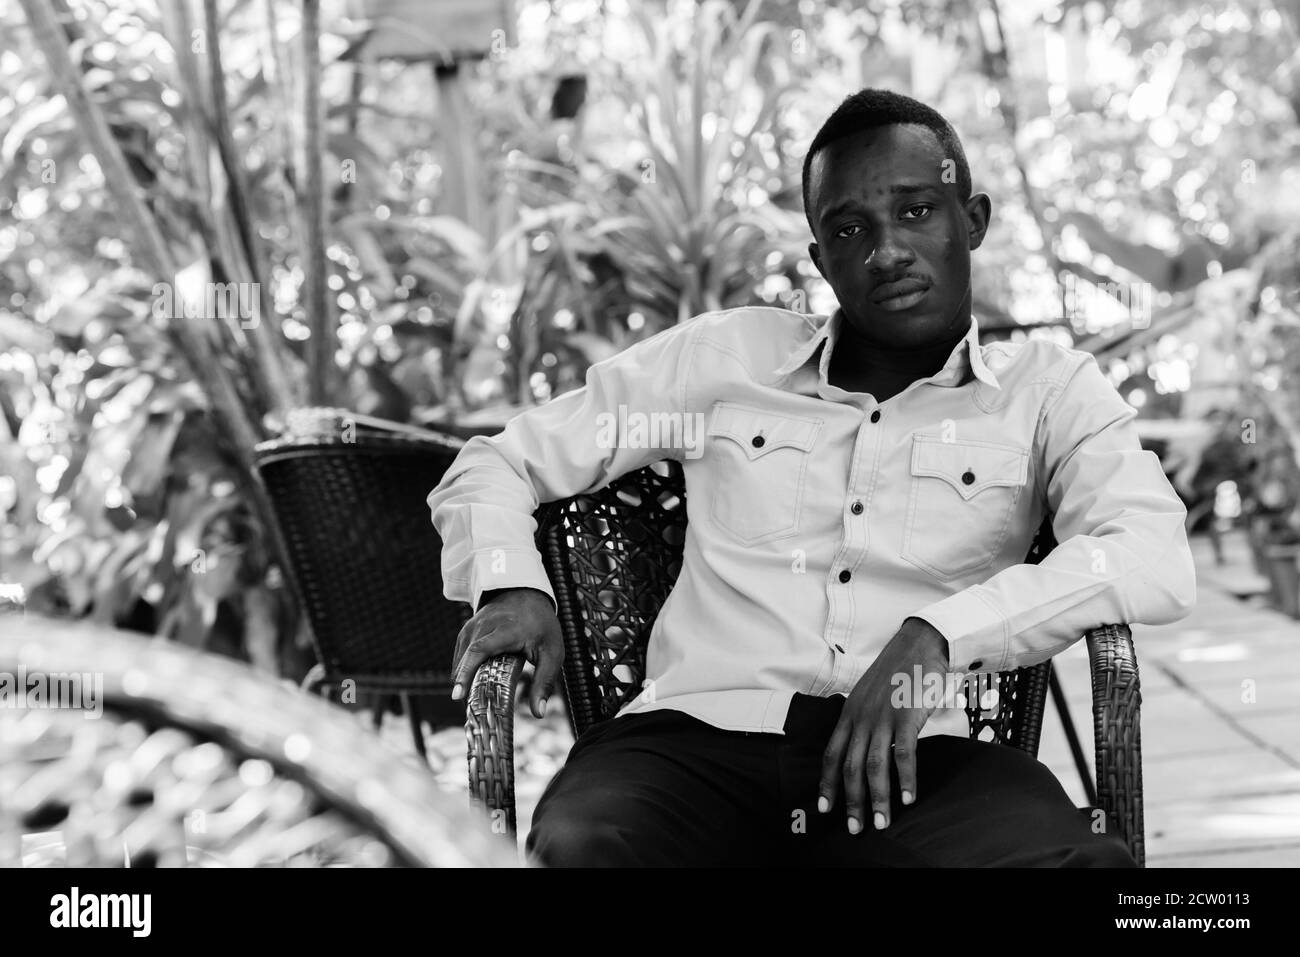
896	290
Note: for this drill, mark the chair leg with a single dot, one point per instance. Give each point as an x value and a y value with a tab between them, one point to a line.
417	731
1072	736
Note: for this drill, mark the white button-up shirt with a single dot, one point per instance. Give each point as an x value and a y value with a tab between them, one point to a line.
819	519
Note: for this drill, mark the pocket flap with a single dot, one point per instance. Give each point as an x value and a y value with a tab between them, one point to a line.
743	424
969	467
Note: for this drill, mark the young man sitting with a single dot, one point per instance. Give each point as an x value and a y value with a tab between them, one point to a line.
860	505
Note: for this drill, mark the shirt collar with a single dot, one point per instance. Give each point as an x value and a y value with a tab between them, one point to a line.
967	354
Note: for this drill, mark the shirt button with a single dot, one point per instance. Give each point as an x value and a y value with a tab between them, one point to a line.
875	416
845	575
856	508
840	649
977	664
759	441
968	476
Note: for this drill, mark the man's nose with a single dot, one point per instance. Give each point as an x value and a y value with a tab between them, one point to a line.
890	253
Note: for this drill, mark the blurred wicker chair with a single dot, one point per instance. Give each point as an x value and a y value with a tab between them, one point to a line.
179	758
612	557
350	496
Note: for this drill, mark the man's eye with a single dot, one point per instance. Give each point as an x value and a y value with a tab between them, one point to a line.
921	209
845	234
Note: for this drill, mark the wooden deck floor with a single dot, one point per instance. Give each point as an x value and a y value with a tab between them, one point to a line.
1220	725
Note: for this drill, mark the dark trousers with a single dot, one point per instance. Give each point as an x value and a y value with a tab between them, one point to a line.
665	789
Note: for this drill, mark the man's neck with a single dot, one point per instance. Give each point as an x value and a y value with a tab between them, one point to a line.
858	365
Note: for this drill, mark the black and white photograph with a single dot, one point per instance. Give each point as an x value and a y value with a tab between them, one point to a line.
751	434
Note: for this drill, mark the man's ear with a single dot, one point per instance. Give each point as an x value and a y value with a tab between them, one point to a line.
978	210
815	252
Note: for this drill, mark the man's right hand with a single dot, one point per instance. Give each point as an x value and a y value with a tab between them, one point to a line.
512	620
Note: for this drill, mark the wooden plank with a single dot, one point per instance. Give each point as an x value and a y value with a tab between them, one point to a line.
1282	856
1224	824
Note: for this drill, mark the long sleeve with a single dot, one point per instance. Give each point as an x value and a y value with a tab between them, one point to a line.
1122	556
483	507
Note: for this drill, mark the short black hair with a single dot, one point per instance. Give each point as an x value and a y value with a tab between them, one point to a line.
871	108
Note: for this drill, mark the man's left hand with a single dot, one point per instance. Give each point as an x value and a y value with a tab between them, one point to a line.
871	728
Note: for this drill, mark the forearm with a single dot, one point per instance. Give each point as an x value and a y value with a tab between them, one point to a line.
1123	555
930	643
1140	572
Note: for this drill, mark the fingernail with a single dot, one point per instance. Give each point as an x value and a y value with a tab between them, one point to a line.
854	826
823	805
907	797
457	692
880	821
541	708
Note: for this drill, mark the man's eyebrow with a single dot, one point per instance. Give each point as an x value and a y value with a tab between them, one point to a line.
897	189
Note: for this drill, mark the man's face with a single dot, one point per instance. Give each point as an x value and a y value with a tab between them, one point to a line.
892	238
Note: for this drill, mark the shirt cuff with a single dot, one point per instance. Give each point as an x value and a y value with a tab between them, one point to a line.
975	628
496	568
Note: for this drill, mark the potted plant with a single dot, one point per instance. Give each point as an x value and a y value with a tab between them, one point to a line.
1273	509
1268	357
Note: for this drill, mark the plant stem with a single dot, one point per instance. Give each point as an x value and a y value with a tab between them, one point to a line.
312	196
267	371
320	355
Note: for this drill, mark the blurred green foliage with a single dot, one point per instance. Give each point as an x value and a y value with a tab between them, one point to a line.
619	167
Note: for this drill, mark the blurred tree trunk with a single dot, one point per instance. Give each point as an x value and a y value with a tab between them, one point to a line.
996	61
347	195
280	83
263	341
316	300
462	190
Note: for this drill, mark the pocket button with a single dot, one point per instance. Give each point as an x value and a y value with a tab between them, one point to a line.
759	461
958	518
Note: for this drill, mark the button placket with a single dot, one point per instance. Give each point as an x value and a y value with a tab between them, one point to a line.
832	636
851	555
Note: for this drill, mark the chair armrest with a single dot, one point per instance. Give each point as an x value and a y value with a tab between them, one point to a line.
308	425
1117	732
490	736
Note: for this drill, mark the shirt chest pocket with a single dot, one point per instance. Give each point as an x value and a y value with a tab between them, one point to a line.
960	504
760	463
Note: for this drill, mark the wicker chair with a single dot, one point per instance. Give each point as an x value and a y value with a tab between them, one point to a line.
612	557
177	758
350	496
